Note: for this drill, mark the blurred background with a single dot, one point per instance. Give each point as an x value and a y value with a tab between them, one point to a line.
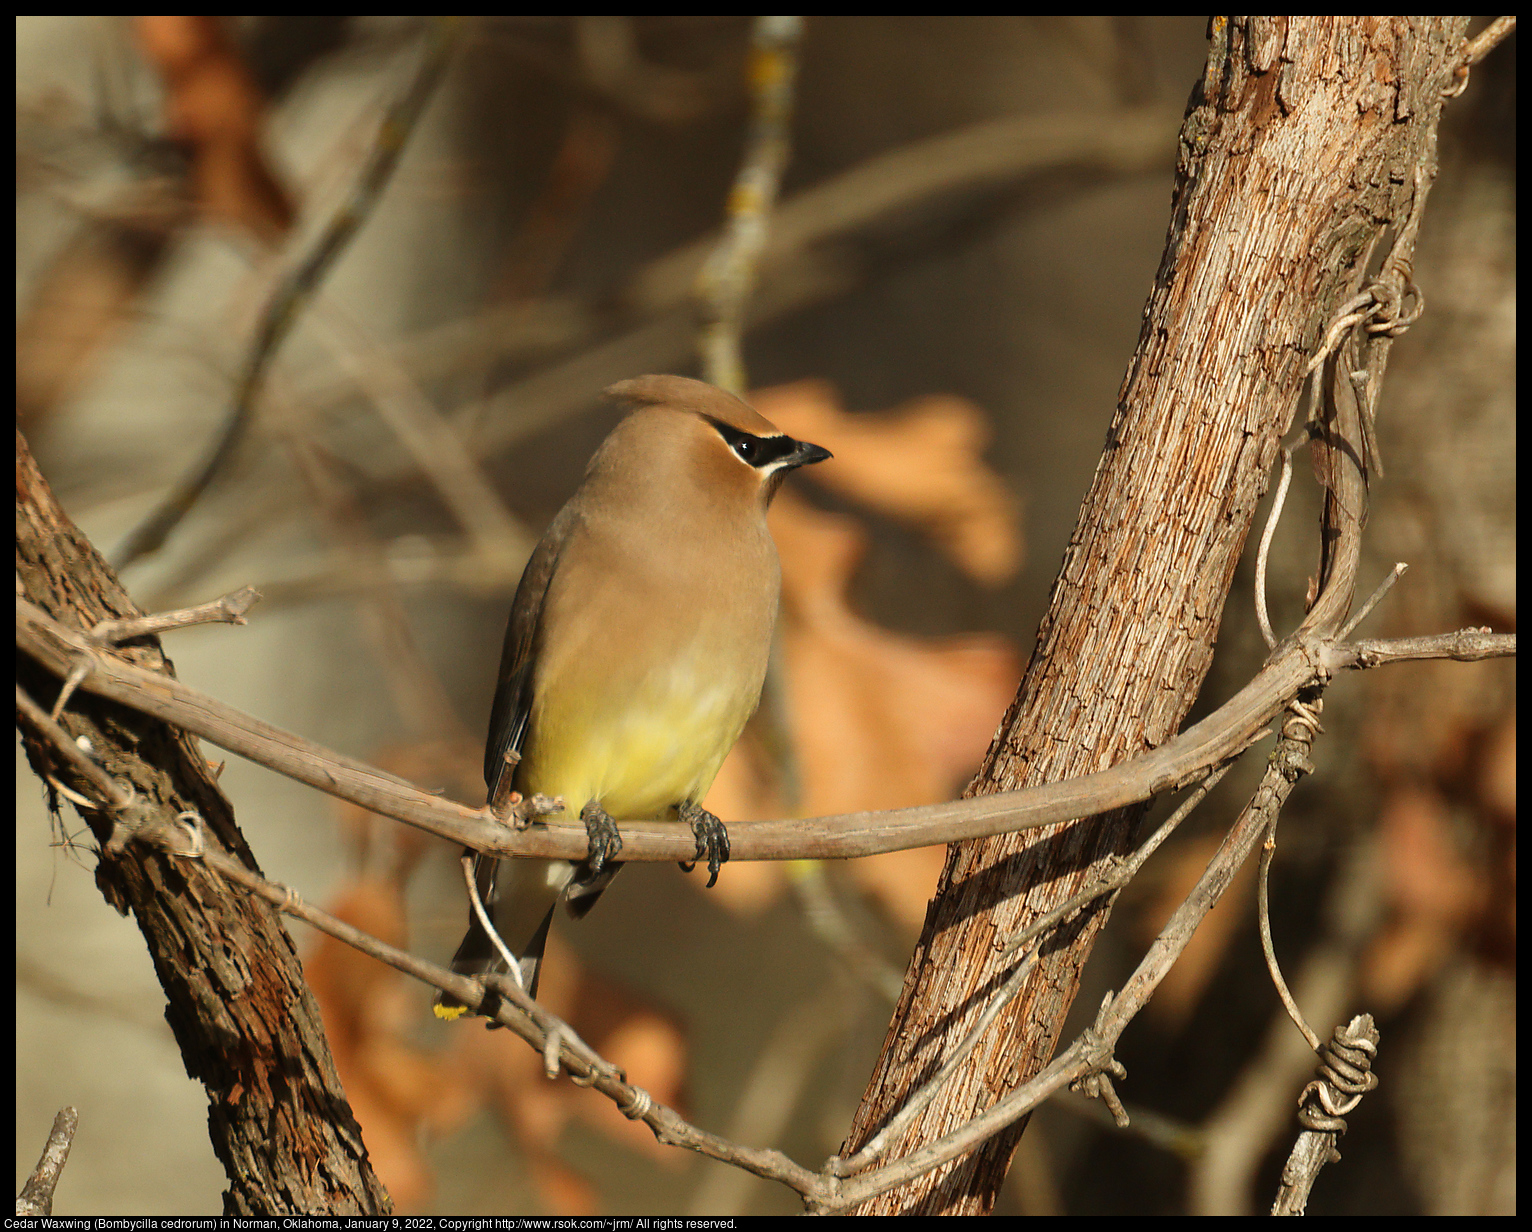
969	225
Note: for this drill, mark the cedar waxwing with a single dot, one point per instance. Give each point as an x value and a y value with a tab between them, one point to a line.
636	649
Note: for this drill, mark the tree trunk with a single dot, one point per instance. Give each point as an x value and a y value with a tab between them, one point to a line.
247	1026
1307	140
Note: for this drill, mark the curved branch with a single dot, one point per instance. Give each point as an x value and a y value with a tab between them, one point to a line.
1230	729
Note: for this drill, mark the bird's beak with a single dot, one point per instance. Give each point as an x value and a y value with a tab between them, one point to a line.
804	454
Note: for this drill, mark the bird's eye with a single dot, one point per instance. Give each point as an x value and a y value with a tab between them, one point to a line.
748	448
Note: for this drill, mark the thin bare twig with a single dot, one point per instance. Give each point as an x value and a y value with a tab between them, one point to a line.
1264	550
1345	1076
1489	38
1476	49
1302	726
108	789
726	280
509	1006
1126	870
36	1197
1181	760
1258	1106
227	609
1091	1055
512	961
1465	645
1387	584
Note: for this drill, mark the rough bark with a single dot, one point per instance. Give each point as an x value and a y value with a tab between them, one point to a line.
1308	140
247	1026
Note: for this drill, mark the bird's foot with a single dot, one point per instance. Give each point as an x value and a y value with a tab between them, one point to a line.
712	839
603	841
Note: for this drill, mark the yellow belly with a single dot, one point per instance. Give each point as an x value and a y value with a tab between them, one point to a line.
639	747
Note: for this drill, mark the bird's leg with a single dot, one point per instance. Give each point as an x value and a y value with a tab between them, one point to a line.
712	839
603	841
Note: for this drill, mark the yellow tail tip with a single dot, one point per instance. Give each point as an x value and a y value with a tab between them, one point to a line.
449	1012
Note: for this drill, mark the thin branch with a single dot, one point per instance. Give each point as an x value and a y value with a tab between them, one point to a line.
1488	39
286	304
1476	49
1268	948
512	963
1180	761
1345	1076
1259	1104
106	787
1386	585
875	1146
36	1197
1465	645
228	609
1272	518
1126	870
1227	732
726	280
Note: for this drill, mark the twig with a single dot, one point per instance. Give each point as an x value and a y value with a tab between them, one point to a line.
1488	39
1465	645
286	303
1375	598
724	285
1272	519
503	1001
1345	1075
512	962
1258	1104
879	1143
36	1197
1476	49
228	609
1126	870
107	788
1300	729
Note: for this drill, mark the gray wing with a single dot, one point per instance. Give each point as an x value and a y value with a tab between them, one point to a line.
518	660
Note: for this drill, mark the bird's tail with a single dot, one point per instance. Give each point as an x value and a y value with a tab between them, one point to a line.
519	896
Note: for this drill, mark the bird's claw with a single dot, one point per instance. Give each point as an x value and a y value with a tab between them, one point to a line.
712	840
603	841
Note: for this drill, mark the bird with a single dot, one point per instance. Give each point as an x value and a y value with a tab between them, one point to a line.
635	652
